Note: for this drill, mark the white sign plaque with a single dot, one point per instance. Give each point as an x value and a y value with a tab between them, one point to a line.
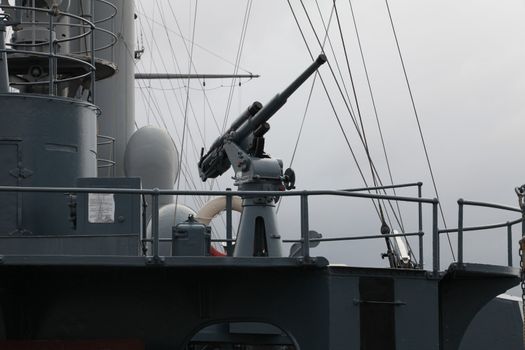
101	207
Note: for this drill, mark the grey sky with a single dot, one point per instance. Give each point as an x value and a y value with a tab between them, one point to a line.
465	61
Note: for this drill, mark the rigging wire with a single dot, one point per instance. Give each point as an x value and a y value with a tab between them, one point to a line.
419	125
191	138
148	100
170	81
168	104
372	98
354	90
347	103
300	130
326	37
373	170
184	168
172	11
351	113
304	118
173	54
143	14
240	48
379	211
151	62
197	199
214	182
326	27
330	101
185	125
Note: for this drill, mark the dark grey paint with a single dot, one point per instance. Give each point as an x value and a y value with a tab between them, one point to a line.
55	144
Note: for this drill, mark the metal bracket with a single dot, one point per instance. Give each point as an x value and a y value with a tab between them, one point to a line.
377	302
21	173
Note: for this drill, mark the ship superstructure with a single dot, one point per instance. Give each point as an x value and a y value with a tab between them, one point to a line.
96	254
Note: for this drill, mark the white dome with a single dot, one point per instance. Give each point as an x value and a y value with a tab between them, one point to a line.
152	156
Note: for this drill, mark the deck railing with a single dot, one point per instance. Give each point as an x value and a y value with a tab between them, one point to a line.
508	225
305	217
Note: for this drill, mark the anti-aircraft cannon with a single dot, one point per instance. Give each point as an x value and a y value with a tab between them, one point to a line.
242	147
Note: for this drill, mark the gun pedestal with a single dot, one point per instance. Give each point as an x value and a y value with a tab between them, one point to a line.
258	234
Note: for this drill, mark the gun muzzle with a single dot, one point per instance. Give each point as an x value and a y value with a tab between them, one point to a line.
251	124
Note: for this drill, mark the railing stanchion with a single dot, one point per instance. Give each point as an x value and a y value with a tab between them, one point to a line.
509	243
229	234
51	68
420	224
144	225
93	62
523	224
460	231
304	226
421	255
435	238
155	222
420	206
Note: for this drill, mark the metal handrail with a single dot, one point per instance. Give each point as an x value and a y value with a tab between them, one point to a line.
387	187
305	239
155	193
111	16
355	238
107	163
90	26
461	229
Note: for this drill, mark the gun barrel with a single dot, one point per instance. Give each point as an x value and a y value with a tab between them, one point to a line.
248	113
215	162
320	60
277	102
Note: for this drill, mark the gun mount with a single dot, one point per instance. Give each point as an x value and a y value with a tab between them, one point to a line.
242	147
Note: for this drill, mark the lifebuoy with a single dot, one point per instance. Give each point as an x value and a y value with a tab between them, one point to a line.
211	209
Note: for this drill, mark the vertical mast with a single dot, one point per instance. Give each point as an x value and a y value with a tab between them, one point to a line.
115	96
4	73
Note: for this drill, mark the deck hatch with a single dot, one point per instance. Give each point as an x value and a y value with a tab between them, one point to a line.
8	200
377	313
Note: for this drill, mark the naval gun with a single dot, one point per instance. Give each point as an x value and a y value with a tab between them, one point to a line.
242	148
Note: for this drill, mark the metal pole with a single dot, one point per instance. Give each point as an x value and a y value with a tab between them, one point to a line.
523	224
51	68
435	238
151	76
420	225
421	255
4	69
93	70
509	244
382	187
304	227
229	234
144	225
460	231
155	222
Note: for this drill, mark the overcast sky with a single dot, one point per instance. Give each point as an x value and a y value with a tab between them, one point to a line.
465	61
